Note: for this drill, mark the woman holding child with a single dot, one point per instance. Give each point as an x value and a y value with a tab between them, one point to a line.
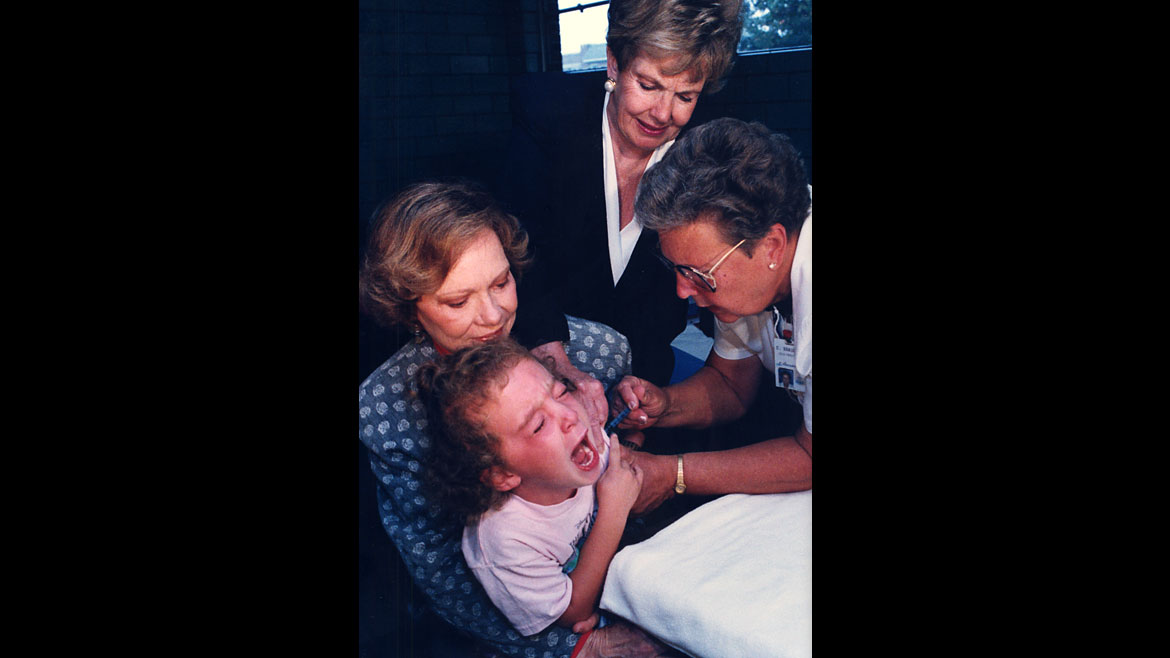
444	260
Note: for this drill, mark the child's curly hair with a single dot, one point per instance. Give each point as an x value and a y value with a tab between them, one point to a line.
454	388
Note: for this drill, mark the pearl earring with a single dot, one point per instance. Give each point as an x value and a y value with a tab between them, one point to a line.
771	266
610	85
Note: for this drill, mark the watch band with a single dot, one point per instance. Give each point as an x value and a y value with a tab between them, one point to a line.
679	485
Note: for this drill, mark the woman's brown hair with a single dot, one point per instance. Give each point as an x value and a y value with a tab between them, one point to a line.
419	236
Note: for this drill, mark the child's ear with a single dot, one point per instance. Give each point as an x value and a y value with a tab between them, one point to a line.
500	479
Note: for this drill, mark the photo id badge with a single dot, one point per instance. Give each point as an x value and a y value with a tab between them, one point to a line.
784	358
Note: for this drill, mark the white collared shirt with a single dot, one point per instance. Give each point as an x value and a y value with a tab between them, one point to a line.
753	335
621	241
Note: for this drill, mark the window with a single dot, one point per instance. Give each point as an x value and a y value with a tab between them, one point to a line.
583	35
769	25
776	25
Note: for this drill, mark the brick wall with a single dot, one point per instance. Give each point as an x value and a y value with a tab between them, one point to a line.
774	89
433	87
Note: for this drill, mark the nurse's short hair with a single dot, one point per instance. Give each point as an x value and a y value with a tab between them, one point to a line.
739	175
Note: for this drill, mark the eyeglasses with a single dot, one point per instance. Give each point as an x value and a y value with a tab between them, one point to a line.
695	276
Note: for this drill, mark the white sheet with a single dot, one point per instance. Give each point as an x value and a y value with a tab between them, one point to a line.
732	578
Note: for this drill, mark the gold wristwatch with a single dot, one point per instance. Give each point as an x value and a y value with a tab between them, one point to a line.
679	485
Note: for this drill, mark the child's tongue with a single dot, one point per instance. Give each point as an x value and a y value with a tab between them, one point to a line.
584	453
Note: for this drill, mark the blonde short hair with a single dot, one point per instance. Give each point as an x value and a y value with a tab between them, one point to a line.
703	34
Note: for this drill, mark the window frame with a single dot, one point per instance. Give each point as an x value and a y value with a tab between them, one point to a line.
582	6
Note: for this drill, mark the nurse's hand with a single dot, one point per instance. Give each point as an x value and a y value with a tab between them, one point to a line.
647	402
659	473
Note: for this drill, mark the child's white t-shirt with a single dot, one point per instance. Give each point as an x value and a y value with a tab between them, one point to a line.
522	552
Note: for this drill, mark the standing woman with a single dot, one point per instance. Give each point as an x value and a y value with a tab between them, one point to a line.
578	152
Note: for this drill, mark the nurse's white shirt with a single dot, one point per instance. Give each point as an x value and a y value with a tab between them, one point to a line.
754	335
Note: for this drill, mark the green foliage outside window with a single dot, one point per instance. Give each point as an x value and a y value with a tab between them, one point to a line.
772	24
767	25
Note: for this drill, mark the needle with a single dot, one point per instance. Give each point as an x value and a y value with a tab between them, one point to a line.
612	425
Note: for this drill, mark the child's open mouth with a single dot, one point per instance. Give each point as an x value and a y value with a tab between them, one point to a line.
584	455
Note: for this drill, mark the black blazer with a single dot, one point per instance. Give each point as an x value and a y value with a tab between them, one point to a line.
553	182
